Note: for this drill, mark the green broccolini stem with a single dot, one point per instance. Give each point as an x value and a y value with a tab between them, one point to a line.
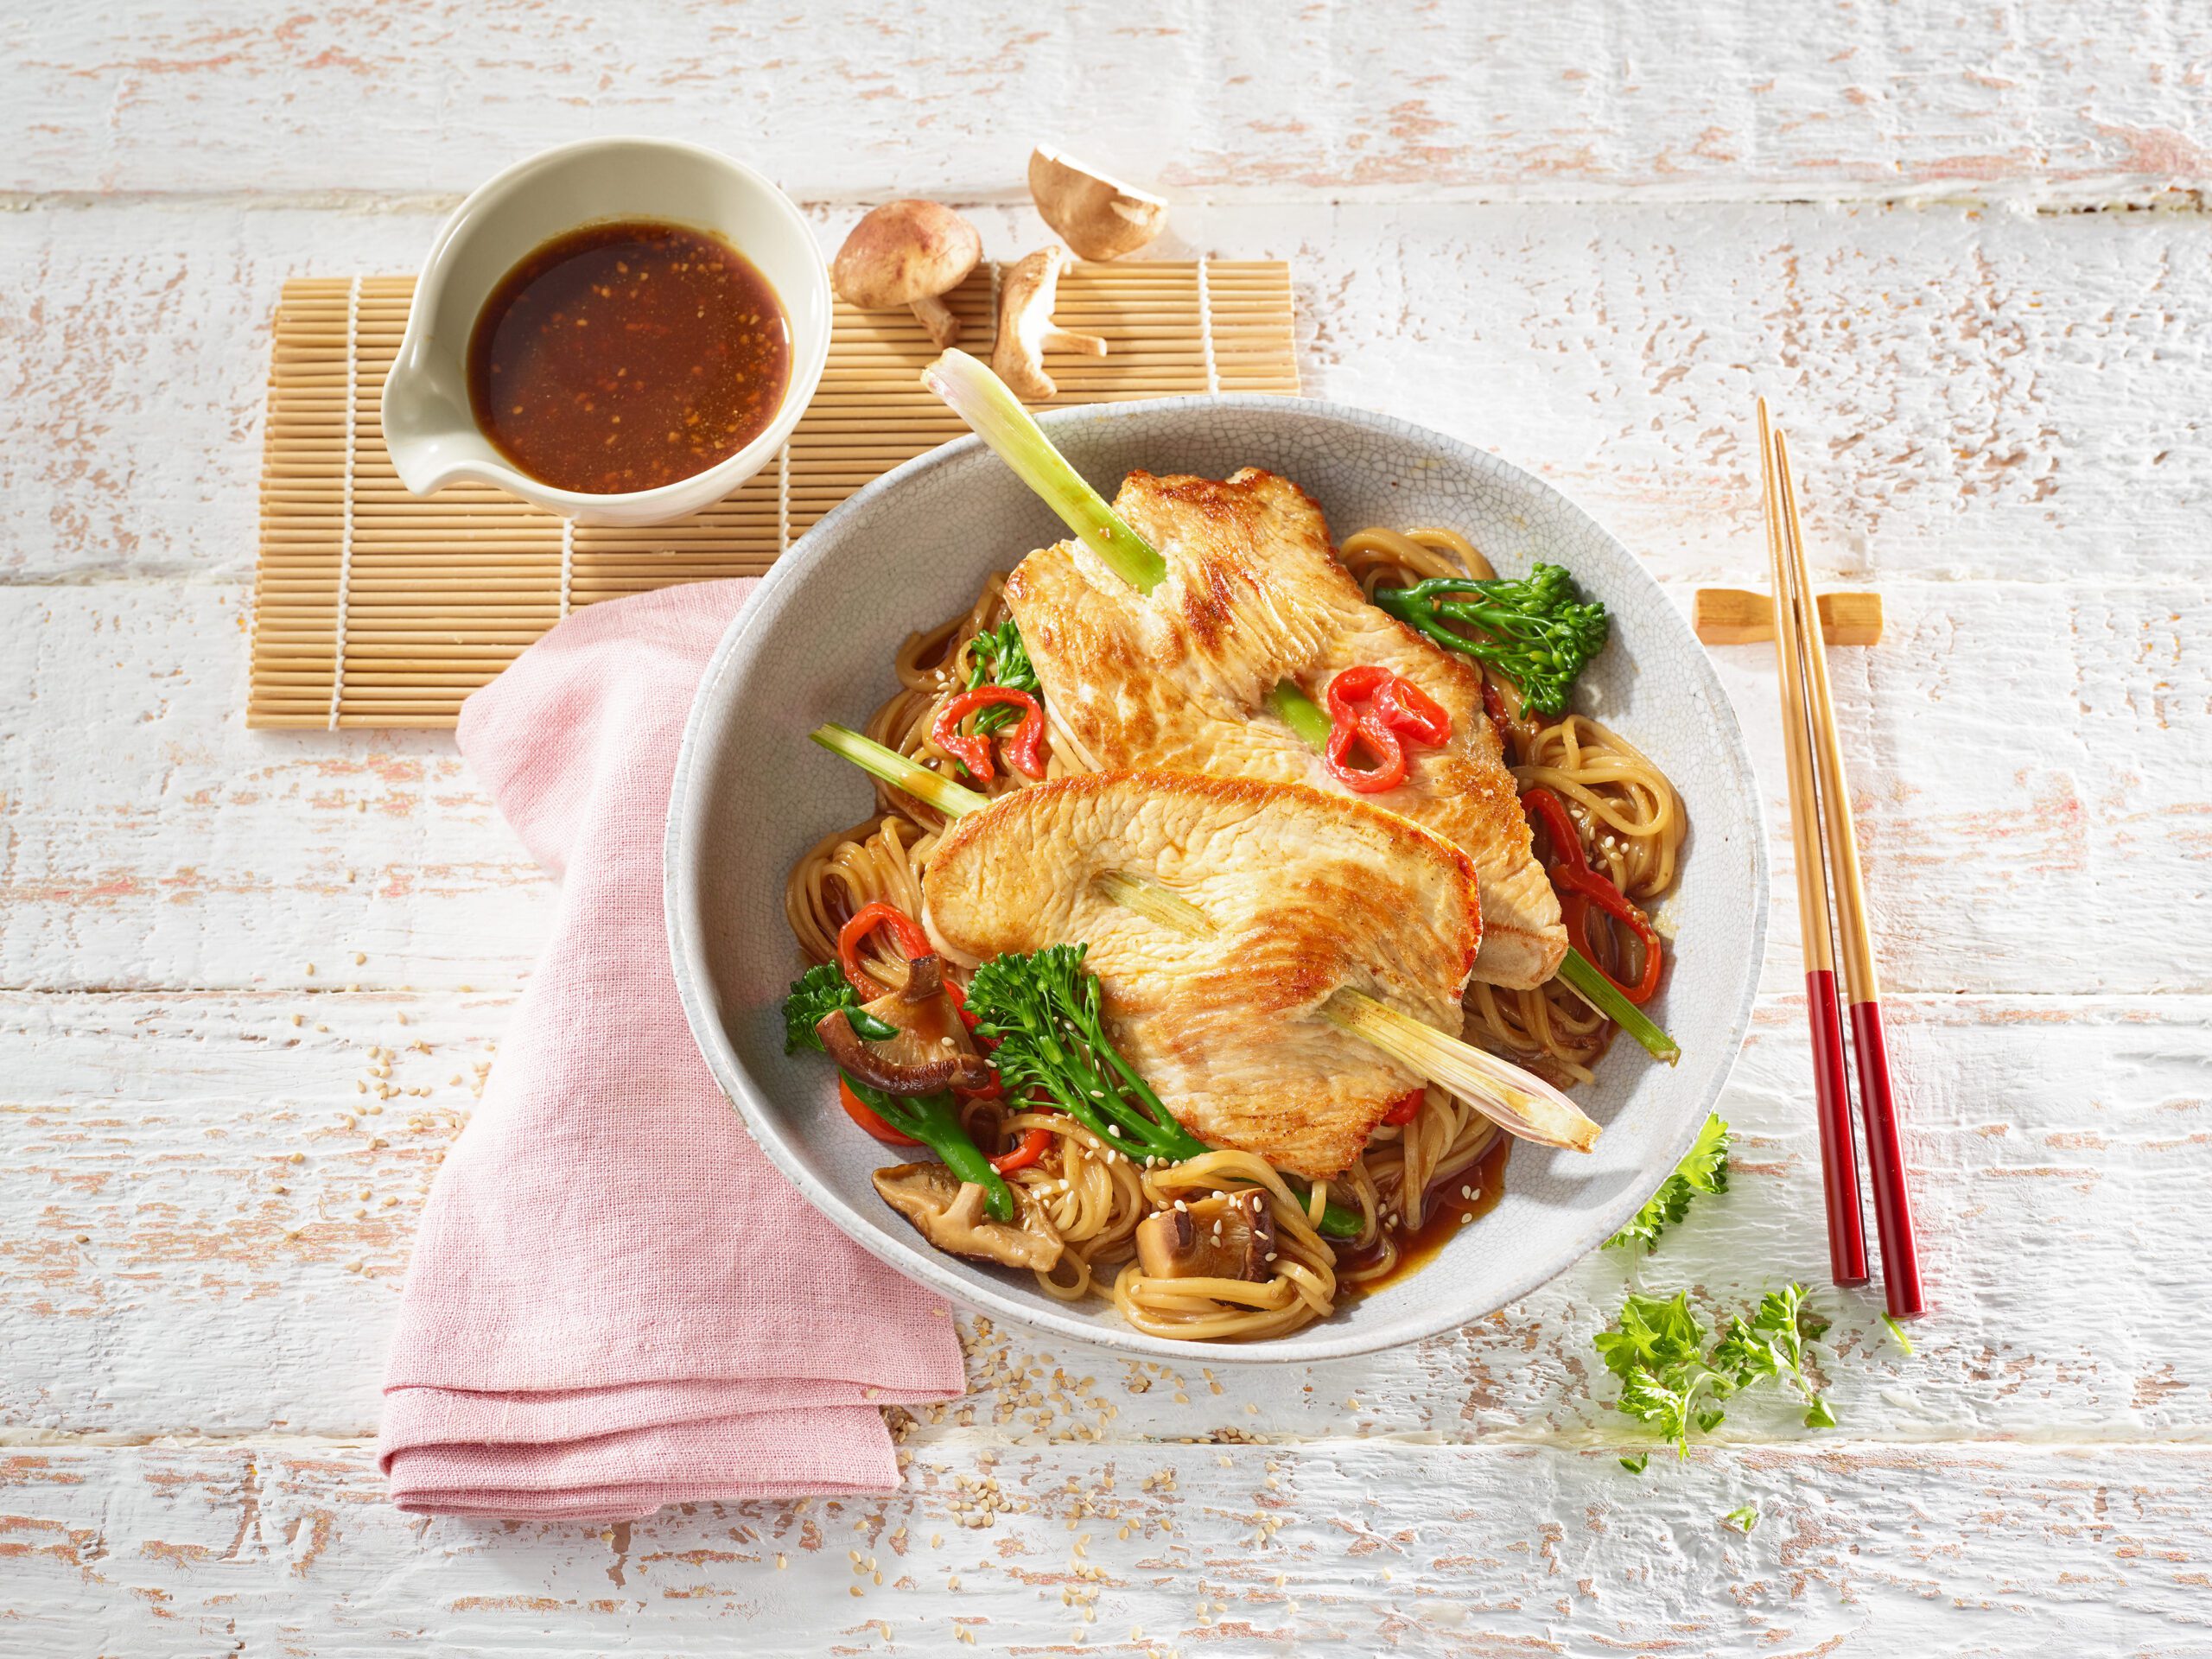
934	1120
1536	631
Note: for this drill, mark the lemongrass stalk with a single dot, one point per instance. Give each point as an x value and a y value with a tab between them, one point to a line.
981	400
930	788
1586	981
1154	903
1516	1100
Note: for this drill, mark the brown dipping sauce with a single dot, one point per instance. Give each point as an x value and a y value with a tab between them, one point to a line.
1441	1219
628	355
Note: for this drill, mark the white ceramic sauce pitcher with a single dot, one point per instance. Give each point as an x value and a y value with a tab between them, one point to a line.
433	439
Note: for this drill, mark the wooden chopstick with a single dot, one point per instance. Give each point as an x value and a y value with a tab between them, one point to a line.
1831	1089
1886	1167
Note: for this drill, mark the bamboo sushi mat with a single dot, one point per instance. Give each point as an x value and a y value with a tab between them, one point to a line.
373	607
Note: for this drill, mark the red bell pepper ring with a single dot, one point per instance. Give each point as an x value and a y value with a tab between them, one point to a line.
1406	1108
1032	1147
1397	712
1025	743
1406	707
854	934
1579	887
1390	768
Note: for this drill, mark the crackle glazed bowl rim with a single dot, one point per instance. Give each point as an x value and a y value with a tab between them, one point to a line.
942	522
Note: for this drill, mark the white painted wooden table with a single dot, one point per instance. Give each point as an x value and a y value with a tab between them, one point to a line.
1965	251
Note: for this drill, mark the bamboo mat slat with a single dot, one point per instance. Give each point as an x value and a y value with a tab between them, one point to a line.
373	607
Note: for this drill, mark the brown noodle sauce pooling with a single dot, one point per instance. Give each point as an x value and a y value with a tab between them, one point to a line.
626	356
1442	1217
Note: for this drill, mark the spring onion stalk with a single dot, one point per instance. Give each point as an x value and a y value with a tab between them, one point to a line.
930	788
1583	978
1301	712
981	400
1514	1100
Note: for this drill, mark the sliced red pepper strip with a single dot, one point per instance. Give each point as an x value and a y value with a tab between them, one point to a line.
1603	894
1500	722
1025	743
1575	880
1031	1149
1389	769
1406	707
854	934
1406	1108
867	1119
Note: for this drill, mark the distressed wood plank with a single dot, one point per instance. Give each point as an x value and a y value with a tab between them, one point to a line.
1522	98
2000	410
210	1209
1998	395
1234	1550
2020	754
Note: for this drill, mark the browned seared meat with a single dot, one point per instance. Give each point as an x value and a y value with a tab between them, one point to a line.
1179	677
1301	893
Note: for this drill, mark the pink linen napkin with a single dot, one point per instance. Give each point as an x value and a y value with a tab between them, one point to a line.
595	1323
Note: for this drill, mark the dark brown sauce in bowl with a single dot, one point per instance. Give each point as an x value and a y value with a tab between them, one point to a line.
1442	1217
628	355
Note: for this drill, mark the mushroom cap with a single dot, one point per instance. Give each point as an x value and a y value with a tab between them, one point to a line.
1225	1236
903	251
1096	214
949	1213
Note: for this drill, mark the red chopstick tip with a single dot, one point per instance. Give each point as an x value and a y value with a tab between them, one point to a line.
1885	1168
1832	1115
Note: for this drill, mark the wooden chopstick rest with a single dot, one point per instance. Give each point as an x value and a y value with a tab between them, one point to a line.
1734	616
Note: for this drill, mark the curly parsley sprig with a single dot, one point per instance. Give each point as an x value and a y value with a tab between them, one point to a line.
1672	1381
1703	1169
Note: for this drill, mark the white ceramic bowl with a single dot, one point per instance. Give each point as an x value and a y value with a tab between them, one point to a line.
433	437
816	644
